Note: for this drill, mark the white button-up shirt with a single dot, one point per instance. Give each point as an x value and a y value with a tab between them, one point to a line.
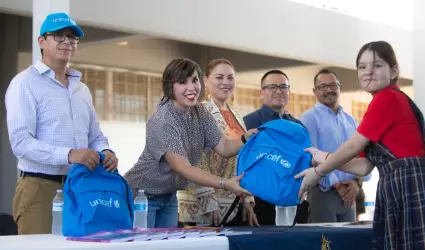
45	120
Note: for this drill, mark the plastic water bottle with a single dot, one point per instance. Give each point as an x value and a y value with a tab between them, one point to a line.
57	206
285	216
370	209
140	210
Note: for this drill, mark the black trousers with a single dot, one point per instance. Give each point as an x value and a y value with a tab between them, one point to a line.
266	212
7	225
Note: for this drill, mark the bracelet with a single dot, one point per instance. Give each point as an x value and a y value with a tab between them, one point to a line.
327	156
222	181
359	182
243	139
315	170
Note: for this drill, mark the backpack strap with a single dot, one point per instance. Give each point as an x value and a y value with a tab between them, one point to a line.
128	197
416	111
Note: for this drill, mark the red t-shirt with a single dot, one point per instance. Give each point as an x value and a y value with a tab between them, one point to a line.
390	120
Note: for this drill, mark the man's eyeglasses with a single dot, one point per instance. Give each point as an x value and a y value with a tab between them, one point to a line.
273	87
61	37
331	86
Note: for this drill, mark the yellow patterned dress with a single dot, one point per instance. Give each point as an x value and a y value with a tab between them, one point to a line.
197	201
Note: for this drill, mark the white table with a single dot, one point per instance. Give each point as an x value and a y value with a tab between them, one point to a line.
46	242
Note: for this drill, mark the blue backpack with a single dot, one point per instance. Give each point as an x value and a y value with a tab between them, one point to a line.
271	158
95	201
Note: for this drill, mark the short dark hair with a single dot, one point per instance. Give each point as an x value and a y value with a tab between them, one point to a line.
178	70
384	51
324	72
273	71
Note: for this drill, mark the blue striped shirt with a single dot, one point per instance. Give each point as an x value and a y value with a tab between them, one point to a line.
328	131
46	120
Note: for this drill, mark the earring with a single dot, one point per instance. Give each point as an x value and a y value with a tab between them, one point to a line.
208	94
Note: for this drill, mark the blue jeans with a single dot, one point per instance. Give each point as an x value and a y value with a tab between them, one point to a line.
163	211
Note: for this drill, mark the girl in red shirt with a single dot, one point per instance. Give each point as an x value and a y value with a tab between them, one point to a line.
390	137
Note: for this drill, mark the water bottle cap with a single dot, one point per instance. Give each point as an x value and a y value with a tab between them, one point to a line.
59	191
141	191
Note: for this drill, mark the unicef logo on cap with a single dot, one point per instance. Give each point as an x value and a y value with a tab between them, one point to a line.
285	163
117	204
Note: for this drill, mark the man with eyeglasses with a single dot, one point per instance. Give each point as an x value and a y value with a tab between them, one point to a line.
333	200
275	93
52	124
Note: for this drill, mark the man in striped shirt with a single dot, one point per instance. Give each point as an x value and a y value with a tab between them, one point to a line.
52	124
334	199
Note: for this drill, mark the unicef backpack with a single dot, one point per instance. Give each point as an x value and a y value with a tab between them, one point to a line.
95	201
271	158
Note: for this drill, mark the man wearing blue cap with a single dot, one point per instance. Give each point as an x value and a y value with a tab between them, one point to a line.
52	124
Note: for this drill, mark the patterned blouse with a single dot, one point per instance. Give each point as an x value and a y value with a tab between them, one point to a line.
197	201
170	129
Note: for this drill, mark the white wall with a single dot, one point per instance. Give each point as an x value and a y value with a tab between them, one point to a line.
127	140
270	27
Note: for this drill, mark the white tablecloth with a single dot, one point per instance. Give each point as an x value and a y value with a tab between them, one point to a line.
46	242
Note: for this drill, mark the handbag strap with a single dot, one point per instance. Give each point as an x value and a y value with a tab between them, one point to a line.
230	211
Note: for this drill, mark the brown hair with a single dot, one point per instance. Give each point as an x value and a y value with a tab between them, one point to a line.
384	51
214	63
178	70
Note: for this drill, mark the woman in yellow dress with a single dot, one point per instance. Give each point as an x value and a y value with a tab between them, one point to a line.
200	205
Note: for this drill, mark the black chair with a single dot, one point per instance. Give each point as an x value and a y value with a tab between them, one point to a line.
7	225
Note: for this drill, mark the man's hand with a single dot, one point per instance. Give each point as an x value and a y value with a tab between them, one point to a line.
348	192
84	156
110	162
250	133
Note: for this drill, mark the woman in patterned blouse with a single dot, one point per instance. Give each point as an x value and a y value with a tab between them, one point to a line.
176	135
206	205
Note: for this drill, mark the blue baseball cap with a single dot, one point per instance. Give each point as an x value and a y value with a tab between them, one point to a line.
58	21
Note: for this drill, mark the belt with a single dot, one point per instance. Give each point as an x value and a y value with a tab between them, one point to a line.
57	178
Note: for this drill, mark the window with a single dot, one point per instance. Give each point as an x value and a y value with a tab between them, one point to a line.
301	103
156	93
358	109
96	81
246	100
130	97
133	96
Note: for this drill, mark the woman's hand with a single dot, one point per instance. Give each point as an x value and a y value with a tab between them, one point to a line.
311	178
214	217
318	156
233	186
252	217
